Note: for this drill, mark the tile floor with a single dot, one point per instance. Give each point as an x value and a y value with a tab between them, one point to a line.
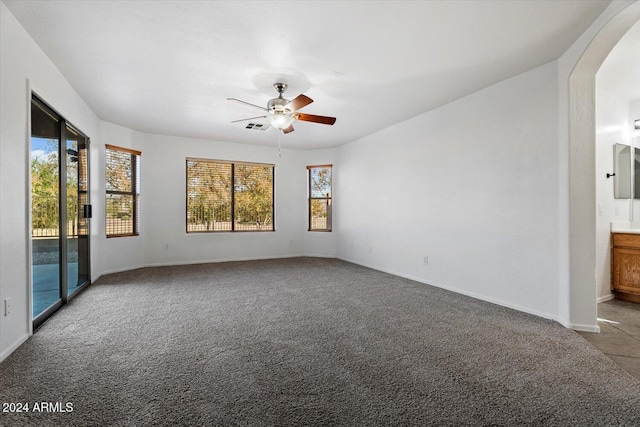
619	336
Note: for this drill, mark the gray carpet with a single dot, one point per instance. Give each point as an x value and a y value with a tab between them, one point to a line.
306	341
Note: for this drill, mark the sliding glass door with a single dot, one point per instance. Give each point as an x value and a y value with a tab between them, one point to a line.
60	211
45	209
77	222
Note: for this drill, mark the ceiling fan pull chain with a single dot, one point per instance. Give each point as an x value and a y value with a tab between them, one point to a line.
279	148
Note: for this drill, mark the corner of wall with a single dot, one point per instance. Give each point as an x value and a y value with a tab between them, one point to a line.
13	346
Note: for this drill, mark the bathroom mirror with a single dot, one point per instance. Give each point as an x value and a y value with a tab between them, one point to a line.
622	170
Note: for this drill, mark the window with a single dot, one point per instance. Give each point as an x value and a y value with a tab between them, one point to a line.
319	198
229	196
122	174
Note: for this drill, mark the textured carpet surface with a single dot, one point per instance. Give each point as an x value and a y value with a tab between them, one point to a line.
305	341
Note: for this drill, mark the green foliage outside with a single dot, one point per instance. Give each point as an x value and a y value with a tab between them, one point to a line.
211	189
320	189
320	198
44	192
119	177
254	195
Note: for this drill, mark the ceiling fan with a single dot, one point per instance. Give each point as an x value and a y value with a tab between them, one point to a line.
280	112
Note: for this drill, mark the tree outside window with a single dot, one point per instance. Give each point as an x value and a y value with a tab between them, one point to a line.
320	197
122	181
229	196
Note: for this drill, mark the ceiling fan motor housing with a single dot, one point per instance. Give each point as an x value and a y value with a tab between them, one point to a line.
277	105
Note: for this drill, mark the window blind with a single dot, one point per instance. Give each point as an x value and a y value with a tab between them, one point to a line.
122	183
320	182
229	196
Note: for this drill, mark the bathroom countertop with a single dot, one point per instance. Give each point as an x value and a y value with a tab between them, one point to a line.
625	227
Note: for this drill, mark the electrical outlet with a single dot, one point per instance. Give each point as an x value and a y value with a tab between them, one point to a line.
425	261
290	242
166	246
370	249
7	306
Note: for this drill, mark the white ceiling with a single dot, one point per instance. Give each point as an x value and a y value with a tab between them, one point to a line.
167	67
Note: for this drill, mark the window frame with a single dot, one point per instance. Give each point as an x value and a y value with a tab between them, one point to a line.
136	157
233	164
328	199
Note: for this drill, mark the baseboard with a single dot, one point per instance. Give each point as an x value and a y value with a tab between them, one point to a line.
605	298
578	326
496	301
202	261
119	270
216	261
13	347
319	256
502	303
584	328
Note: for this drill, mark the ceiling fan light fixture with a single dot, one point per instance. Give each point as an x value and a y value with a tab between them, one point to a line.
281	113
279	119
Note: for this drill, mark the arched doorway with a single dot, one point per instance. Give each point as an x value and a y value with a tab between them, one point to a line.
581	307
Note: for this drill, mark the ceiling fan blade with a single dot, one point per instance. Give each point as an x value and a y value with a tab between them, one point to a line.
247	103
250	118
288	129
298	102
315	119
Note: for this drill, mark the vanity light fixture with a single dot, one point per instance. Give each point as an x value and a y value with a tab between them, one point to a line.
637	124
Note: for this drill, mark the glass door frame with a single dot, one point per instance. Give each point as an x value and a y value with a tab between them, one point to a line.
83	210
65	297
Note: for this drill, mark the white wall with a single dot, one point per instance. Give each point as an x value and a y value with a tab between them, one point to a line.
472	186
162	204
22	66
318	243
117	253
163	198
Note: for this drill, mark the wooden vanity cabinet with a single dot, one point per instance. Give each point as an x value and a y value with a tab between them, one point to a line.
625	266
